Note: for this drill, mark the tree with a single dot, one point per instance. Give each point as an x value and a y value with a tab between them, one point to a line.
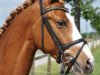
92	14
95	22
85	9
76	11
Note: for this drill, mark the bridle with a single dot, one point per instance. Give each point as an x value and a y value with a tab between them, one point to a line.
60	46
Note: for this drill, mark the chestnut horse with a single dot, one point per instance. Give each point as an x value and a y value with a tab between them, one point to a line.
22	32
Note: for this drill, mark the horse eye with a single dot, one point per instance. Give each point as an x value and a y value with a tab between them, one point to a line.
61	23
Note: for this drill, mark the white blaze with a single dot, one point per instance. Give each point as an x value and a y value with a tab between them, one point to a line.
76	35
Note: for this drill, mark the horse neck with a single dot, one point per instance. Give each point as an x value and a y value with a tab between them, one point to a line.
18	29
17	46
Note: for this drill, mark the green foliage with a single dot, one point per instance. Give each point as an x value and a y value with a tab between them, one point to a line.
88	12
96	54
95	22
84	35
90	35
92	14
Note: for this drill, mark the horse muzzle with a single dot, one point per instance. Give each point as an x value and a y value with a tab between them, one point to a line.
89	67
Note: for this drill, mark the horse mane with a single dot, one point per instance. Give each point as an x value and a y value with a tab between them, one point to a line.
17	11
13	14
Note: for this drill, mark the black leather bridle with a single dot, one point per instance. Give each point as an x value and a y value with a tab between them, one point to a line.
60	46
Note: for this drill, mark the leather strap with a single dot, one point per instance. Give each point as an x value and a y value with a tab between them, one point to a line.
61	47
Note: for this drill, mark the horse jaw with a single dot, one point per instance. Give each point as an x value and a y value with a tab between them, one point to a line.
76	35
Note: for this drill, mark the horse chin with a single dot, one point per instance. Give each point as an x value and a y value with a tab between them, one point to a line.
77	69
78	73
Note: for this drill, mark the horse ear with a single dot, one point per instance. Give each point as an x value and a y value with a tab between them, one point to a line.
61	1
52	1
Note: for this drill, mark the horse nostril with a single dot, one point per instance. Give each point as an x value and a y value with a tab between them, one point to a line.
89	67
89	63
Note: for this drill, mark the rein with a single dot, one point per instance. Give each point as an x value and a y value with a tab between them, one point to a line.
61	47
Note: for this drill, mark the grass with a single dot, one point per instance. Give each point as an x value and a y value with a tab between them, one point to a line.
42	70
97	61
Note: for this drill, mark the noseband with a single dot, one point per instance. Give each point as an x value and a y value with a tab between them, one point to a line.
60	46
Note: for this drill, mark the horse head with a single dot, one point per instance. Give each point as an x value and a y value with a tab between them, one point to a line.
45	25
58	36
